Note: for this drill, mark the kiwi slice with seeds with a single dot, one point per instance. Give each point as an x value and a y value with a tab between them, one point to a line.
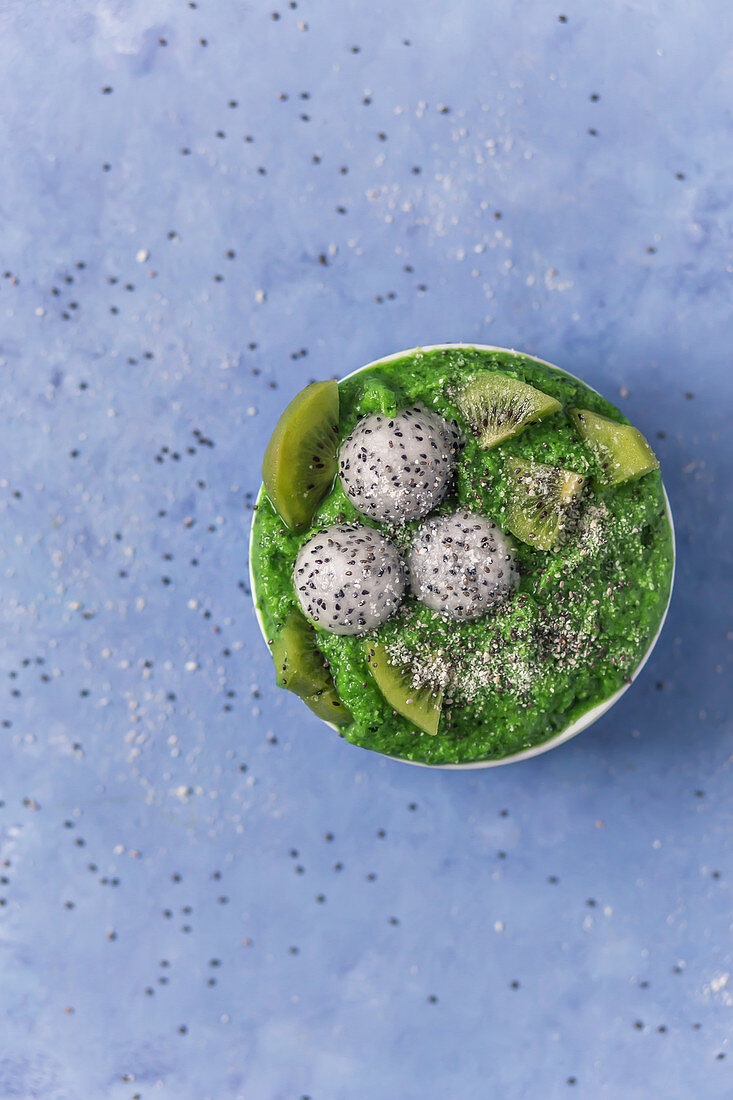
621	450
300	667
329	707
542	499
498	406
300	460
420	705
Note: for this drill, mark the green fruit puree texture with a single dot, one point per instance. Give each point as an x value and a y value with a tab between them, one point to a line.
571	635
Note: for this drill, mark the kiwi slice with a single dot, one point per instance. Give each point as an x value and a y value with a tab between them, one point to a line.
498	406
420	705
329	707
621	450
300	460
540	501
300	667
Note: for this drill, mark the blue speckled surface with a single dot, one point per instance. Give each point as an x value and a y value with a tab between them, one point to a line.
205	895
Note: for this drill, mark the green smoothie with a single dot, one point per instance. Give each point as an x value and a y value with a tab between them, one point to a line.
573	630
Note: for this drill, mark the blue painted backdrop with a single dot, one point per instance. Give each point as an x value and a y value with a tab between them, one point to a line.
204	894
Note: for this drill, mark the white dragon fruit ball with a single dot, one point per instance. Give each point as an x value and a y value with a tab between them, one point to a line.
348	578
461	565
398	468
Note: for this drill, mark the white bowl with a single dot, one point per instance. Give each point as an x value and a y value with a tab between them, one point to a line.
591	715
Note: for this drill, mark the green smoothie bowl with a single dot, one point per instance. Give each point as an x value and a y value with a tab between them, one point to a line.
461	556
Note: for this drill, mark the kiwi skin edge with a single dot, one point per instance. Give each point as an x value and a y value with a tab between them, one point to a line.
300	462
301	668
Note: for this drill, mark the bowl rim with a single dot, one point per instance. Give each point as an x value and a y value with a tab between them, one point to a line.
590	716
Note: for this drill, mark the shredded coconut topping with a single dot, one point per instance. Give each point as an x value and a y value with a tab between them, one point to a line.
525	639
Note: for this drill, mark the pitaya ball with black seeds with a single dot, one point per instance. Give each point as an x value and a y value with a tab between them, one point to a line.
461	565
398	468
348	579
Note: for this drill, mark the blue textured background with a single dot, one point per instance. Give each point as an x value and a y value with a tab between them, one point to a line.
204	893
